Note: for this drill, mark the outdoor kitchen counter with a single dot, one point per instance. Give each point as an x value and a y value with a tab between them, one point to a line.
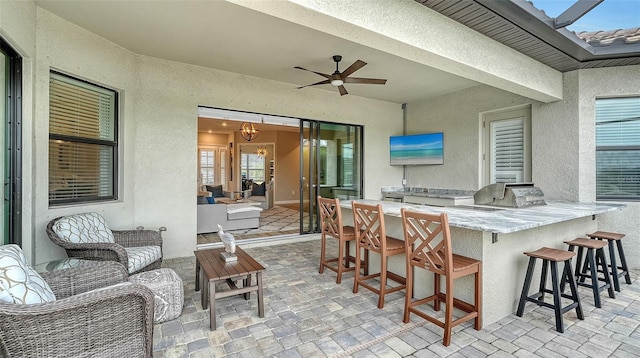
497	238
501	220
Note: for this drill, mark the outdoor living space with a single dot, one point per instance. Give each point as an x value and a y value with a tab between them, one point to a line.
308	315
132	129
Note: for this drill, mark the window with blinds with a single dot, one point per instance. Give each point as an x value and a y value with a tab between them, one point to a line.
507	146
82	141
507	150
618	149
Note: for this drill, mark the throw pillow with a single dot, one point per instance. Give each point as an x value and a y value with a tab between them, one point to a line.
203	200
259	190
211	200
19	283
83	228
216	191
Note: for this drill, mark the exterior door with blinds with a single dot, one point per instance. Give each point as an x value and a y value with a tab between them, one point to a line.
507	153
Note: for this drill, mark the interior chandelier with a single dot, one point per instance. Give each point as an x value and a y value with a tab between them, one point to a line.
248	131
262	152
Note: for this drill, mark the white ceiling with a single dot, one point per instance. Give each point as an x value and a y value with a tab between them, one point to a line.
229	37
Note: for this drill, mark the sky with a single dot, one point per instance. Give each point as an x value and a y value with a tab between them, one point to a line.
608	15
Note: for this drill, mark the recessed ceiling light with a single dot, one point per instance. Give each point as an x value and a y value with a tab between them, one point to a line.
210	131
224	124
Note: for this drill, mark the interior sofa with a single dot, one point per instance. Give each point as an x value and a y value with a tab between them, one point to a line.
229	216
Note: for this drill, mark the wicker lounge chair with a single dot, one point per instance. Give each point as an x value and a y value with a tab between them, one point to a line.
114	321
128	247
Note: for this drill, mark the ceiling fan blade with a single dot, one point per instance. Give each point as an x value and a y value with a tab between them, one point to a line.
370	81
317	73
342	90
317	83
353	68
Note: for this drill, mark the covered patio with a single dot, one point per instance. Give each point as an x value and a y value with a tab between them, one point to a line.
308	315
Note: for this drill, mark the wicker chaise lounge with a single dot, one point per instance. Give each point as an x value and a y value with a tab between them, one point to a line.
114	321
87	236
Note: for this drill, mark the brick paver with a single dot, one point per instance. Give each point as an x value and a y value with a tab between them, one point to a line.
308	315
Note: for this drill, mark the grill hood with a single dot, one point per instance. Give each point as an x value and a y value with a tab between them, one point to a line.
508	195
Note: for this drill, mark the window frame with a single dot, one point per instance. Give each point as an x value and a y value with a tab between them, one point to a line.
489	140
113	144
612	148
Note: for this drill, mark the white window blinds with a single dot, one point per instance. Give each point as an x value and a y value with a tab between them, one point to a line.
82	141
507	150
618	148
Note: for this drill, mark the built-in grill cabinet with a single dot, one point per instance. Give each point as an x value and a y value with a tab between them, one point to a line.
509	195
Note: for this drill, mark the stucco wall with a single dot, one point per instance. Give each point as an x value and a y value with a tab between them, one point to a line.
599	83
162	110
158	138
458	117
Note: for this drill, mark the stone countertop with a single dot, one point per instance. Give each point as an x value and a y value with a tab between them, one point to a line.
429	192
501	220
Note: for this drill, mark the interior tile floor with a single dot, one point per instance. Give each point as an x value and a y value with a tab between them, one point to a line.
308	315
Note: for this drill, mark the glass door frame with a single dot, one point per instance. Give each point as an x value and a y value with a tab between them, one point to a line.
12	153
310	169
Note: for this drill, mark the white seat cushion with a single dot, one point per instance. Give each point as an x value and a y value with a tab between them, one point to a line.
83	228
19	283
142	256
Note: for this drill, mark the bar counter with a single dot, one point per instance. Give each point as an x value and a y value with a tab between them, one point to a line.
498	238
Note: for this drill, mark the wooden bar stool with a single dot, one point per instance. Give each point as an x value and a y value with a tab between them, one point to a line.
331	225
428	241
371	236
551	256
594	258
616	271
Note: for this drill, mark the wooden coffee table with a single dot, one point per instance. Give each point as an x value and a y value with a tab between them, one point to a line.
211	268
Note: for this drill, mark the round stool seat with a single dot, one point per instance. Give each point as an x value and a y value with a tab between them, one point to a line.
587	243
547	253
606	235
167	289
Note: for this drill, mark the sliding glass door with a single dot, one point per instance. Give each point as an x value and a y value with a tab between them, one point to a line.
10	141
330	166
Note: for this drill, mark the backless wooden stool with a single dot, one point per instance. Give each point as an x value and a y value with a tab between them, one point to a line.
594	258
616	271
551	256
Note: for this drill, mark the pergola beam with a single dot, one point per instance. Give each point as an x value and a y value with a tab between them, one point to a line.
576	11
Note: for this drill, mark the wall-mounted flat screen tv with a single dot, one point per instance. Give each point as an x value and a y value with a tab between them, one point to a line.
417	149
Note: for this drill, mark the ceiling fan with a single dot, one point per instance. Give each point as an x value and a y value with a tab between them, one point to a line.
339	78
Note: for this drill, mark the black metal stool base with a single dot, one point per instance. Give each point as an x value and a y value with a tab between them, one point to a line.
538	297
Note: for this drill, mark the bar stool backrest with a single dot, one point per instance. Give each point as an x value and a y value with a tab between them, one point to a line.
428	241
369	224
330	217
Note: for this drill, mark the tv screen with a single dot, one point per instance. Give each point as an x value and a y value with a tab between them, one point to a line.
417	149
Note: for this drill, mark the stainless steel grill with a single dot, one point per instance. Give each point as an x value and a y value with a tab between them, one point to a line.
509	195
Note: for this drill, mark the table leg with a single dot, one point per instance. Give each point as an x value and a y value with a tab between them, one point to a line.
212	304
260	298
246	282
197	275
204	291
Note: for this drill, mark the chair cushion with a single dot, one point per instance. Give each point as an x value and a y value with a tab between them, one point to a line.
142	256
83	228
19	283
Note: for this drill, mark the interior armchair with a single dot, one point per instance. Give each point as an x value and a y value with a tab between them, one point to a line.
83	311
262	193
87	236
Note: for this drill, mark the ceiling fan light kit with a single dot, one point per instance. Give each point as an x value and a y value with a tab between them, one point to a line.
338	79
